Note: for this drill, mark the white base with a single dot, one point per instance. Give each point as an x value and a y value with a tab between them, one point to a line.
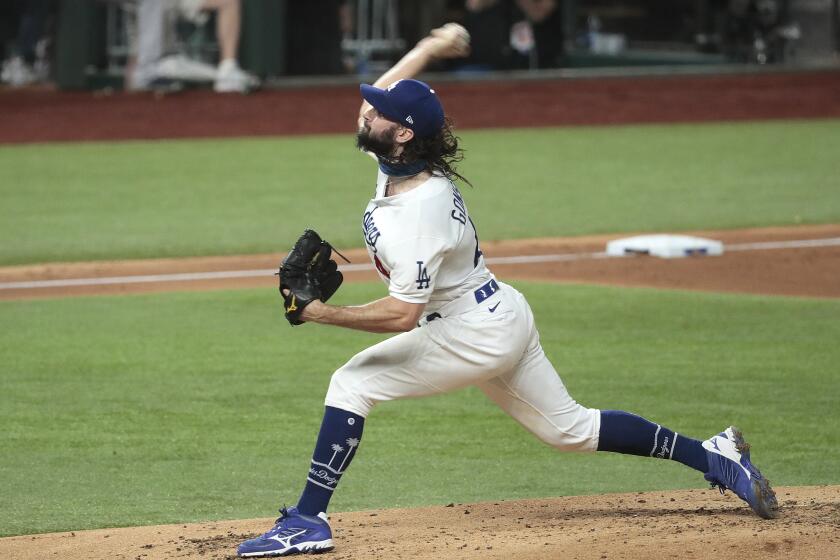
665	246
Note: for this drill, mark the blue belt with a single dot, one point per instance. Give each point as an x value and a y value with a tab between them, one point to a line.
486	291
480	295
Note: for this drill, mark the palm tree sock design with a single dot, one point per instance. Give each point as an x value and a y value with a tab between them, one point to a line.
622	432
338	439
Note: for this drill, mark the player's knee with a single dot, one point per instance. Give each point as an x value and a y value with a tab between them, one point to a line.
346	392
575	432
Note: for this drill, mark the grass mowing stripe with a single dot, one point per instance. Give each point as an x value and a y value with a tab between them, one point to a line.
200	197
195	406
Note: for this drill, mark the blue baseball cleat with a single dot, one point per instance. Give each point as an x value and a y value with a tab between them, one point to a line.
730	468
293	533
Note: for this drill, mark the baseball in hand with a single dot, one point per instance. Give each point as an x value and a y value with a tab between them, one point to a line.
449	41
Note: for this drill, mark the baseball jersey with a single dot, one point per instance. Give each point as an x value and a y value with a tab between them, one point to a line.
423	243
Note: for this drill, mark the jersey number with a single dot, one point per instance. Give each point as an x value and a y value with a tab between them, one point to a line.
423	278
460	214
478	252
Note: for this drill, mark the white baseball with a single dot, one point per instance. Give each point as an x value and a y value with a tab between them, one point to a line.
451	40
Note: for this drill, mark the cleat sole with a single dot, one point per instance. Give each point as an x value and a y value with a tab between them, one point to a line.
740	444
306	548
766	506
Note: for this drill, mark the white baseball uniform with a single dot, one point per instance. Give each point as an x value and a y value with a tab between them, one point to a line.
476	331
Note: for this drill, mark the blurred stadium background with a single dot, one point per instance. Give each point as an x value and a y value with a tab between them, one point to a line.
108	401
90	44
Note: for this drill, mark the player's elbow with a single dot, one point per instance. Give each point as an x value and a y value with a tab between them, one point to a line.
406	315
406	325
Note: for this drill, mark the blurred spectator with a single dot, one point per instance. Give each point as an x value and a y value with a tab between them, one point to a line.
151	66
514	34
313	31
22	28
758	31
488	22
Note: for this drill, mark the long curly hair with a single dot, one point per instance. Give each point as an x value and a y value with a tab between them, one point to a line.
441	153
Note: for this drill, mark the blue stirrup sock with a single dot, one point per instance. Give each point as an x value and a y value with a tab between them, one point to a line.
622	432
341	432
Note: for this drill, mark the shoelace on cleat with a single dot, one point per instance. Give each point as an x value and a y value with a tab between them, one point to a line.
284	513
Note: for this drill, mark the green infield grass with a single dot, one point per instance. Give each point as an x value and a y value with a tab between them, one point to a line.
90	201
180	407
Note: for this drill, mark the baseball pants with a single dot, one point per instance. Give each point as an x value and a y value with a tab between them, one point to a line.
494	346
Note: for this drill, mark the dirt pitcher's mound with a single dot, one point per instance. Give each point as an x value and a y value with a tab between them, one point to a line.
691	524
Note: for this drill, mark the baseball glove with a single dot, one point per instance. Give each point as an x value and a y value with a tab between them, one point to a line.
308	273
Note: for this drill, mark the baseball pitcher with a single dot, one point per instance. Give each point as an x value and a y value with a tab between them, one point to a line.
458	324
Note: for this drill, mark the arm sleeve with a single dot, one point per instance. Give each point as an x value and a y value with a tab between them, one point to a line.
416	268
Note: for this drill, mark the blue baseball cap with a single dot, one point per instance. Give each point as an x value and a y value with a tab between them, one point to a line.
411	103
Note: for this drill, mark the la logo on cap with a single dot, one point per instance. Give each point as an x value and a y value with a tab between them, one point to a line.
409	120
392	86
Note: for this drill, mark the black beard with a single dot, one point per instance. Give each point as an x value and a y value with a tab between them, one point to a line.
380	147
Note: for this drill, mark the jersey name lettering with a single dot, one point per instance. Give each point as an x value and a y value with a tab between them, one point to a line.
372	233
460	211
